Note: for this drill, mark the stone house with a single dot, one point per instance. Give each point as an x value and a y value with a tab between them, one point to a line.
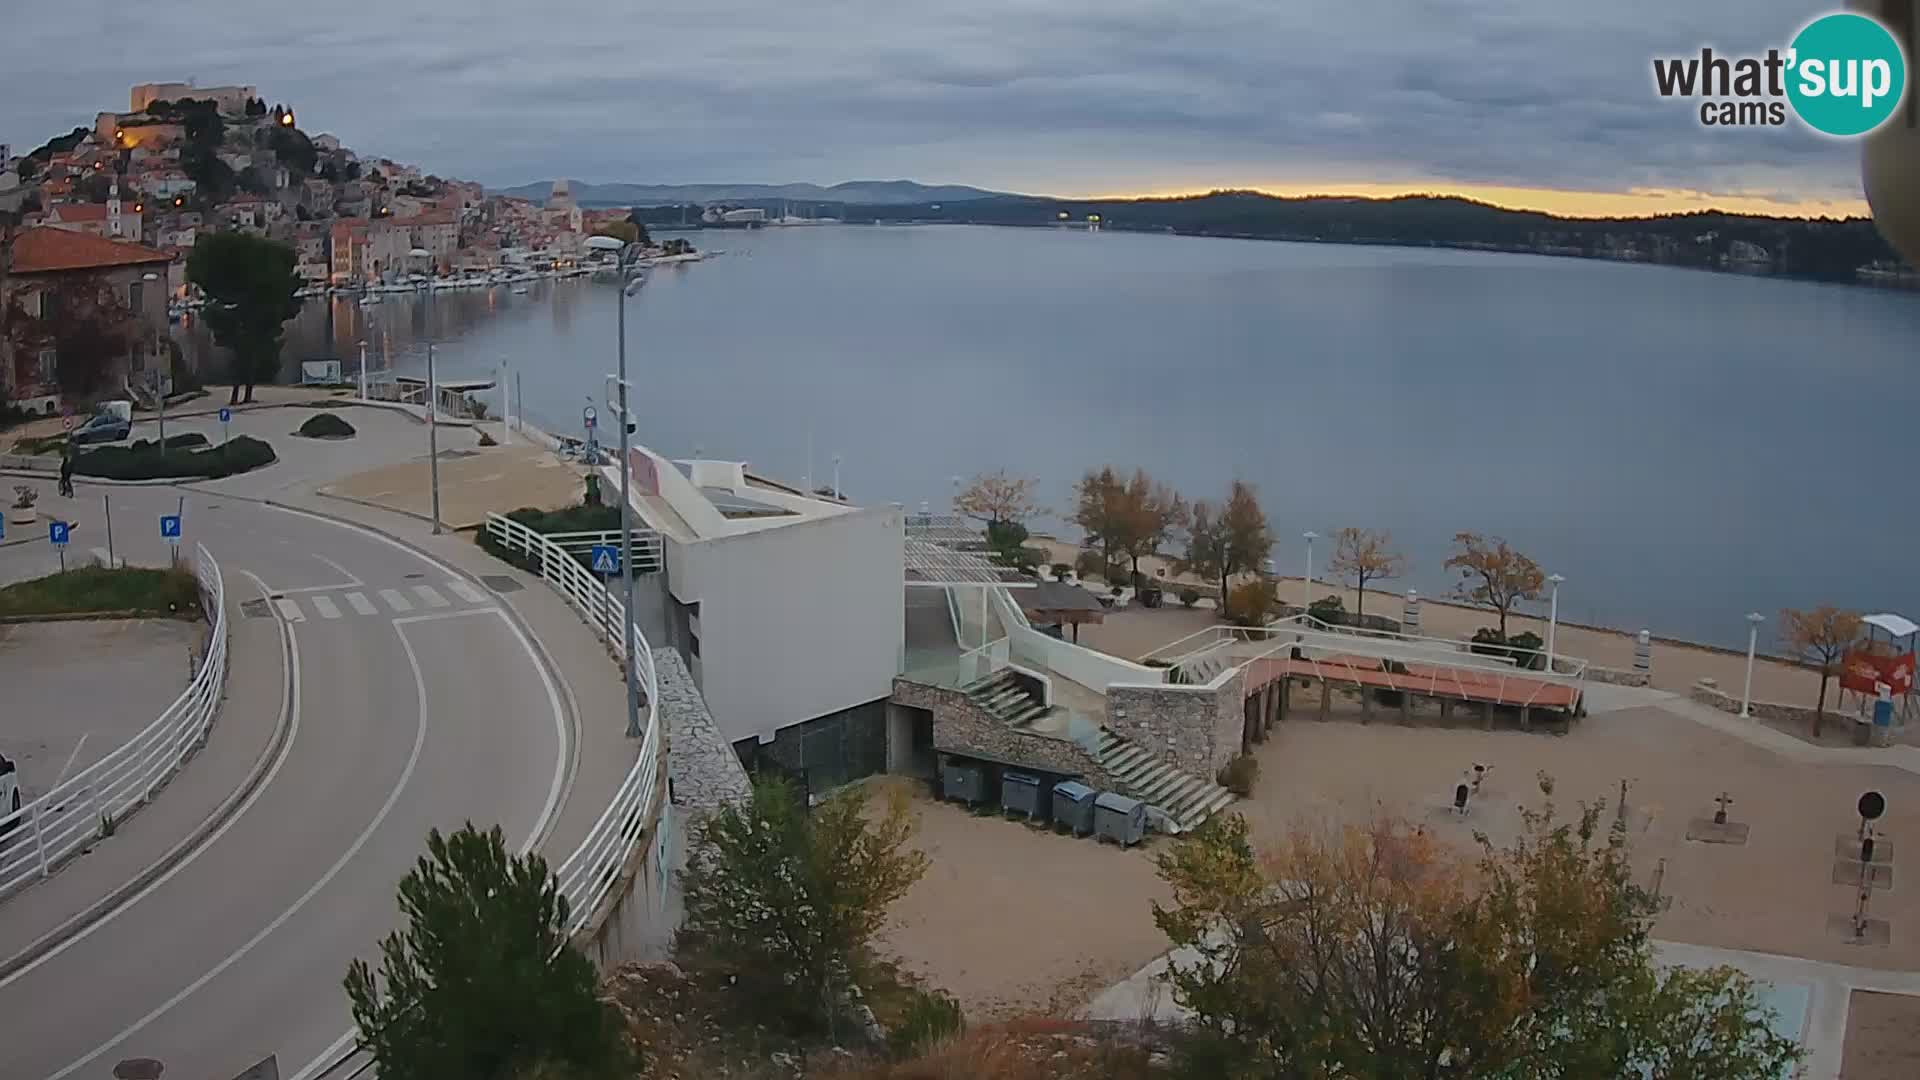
53	266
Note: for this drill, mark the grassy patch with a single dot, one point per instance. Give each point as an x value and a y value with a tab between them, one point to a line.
167	593
144	460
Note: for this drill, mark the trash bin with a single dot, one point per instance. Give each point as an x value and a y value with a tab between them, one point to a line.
1073	806
1119	819
963	780
1025	793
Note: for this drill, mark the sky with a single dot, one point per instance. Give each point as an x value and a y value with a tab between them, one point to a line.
1546	105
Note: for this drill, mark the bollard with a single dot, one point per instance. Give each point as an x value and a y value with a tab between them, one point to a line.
1410	615
1643	652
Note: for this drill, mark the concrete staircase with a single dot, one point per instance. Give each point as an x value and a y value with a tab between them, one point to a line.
1189	800
1003	696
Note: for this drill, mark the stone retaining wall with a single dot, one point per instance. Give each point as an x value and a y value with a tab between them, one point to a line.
962	727
1193	728
1620	677
1708	692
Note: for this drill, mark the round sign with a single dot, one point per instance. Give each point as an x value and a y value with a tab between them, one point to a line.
1872	805
66	422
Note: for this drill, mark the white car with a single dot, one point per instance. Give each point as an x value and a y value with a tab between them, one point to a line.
9	793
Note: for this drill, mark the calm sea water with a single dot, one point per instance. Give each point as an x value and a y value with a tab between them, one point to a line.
1683	446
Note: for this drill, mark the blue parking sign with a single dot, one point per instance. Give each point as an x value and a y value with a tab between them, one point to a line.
57	532
226	415
170	527
606	559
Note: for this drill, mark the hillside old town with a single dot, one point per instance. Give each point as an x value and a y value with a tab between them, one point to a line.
118	206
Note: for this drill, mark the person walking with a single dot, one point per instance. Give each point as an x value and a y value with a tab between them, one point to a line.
66	475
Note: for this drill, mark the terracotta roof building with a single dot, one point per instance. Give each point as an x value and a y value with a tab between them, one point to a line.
47	264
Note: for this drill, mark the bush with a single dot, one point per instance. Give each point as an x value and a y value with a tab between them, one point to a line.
1525	648
586	517
1117	574
186	441
1329	609
145	461
1060	570
1488	642
325	425
93	589
1189	596
1250	603
1238	775
1086	564
930	1017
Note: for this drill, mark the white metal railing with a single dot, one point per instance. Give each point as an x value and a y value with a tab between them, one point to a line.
589	874
89	804
647	552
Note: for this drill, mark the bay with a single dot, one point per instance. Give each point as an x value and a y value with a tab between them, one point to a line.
1683	446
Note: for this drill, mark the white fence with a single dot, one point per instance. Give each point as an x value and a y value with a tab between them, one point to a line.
589	874
37	837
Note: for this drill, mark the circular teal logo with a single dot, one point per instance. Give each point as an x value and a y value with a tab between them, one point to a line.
1847	74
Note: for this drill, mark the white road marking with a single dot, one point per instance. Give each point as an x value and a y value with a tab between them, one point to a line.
396	601
466	592
344	572
393	797
360	604
289	714
324	605
430	597
71	758
289	610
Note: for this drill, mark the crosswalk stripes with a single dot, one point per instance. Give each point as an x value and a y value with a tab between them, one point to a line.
324	605
466	592
289	610
395	600
430	597
360	604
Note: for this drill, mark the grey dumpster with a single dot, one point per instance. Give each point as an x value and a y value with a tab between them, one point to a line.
1024	792
963	780
1073	806
1119	819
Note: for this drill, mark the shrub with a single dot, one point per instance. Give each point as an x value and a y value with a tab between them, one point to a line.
145	461
1189	596
1525	648
487	440
24	496
1238	775
1060	570
1329	609
586	517
1250	603
1086	564
1117	574
186	441
1488	642
930	1017
325	425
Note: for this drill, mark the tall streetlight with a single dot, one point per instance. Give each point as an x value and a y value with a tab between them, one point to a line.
630	283
433	437
1306	586
1553	616
1754	619
363	369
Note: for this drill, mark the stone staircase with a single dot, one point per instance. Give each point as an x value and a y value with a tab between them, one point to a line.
1189	800
1002	695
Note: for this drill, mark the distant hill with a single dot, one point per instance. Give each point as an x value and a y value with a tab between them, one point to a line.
867	192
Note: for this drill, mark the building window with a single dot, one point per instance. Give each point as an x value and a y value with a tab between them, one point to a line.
48	368
136	292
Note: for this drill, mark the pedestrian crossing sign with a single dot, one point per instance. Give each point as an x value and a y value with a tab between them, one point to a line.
606	559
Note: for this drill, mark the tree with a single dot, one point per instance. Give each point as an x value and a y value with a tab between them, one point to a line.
1374	952
213	179
1494	575
256	107
483	980
786	902
1364	555
1228	540
998	496
1100	511
1821	636
250	283
90	328
294	150
633	216
1154	514
1207	547
623	231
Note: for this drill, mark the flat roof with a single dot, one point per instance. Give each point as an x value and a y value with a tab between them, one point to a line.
932	564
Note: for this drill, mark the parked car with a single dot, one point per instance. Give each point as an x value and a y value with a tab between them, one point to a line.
101	428
9	793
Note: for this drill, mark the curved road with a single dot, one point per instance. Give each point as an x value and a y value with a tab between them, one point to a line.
415	703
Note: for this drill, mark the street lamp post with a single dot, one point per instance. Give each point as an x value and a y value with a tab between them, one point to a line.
1306	586
363	370
433	437
1754	619
626	254
836	478
1553	616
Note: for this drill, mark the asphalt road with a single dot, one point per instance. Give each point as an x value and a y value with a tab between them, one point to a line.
416	704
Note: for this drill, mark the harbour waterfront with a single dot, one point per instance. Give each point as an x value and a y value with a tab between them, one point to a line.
1684	446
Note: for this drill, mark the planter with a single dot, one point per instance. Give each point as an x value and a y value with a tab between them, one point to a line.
17	515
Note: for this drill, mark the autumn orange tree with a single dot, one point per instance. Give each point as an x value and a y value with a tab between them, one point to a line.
1375	952
1821	636
1228	539
1364	555
998	497
1493	574
1152	513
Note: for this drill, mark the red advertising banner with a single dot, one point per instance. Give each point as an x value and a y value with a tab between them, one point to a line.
645	480
1862	672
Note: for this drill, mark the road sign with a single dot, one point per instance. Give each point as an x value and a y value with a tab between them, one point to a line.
170	527
589	416
226	415
606	559
57	532
66	422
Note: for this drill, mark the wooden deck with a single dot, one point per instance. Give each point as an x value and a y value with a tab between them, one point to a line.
1461	684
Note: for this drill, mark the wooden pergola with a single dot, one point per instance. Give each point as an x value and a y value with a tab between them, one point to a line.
1051	603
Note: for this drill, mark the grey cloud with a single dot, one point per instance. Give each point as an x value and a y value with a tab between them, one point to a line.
1105	95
